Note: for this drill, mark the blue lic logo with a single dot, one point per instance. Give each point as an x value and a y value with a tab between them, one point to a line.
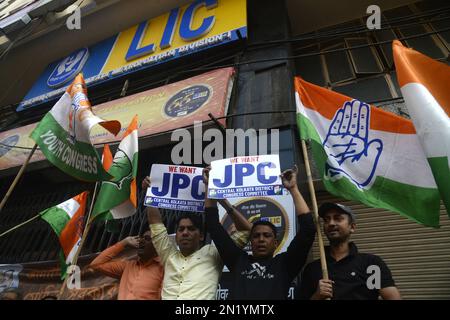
68	68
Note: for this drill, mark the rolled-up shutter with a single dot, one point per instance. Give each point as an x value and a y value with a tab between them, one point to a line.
418	256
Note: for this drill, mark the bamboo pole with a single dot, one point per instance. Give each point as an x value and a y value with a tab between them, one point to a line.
323	261
19	225
83	239
16	179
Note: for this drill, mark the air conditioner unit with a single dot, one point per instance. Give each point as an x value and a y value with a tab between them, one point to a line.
17	23
46	6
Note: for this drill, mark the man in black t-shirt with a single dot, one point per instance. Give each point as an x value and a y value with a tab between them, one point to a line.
261	275
352	275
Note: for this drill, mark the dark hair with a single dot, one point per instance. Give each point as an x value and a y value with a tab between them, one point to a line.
196	220
16	291
264	223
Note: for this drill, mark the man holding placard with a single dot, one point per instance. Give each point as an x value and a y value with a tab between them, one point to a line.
260	275
191	271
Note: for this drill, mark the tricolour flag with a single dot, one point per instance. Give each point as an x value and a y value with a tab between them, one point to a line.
425	85
107	158
364	153
117	197
63	135
67	220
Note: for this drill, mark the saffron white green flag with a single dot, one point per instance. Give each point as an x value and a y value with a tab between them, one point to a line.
117	197
63	134
67	220
364	153
425	85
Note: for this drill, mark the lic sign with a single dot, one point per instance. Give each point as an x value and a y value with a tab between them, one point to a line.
186	30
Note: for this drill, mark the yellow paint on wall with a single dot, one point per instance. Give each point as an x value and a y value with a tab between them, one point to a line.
229	15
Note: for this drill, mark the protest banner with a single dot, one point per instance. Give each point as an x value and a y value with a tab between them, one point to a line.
245	176
176	187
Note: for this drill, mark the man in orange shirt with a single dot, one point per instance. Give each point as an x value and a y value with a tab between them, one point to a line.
140	279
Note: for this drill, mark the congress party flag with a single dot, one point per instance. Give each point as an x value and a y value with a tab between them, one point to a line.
63	135
67	220
366	154
425	85
117	197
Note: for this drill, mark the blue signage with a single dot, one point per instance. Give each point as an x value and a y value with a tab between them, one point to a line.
68	68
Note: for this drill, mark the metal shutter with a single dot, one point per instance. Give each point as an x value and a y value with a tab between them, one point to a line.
418	256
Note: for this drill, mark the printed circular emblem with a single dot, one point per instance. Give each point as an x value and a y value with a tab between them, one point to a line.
68	68
7	144
187	101
262	209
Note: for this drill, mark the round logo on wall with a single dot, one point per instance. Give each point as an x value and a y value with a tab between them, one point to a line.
262	209
187	101
68	68
8	143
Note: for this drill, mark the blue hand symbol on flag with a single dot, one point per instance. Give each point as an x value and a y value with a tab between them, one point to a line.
350	152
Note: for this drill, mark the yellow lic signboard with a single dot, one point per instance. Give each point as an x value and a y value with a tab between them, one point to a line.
200	24
194	27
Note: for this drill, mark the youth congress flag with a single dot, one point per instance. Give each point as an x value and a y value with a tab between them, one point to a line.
67	220
63	134
425	85
117	197
367	154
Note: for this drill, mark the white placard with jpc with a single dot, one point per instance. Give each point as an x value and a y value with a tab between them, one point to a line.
246	176
176	187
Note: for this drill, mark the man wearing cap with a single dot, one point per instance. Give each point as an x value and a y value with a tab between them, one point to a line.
352	275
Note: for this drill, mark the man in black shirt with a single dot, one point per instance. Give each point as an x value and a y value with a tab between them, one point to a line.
261	275
352	275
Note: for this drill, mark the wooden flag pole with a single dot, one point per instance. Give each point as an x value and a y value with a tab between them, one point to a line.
83	238
16	179
323	261
19	225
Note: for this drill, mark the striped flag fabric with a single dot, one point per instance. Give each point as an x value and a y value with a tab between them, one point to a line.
117	197
366	154
67	220
425	86
107	158
63	135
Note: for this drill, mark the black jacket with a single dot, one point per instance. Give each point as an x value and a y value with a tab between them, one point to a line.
261	278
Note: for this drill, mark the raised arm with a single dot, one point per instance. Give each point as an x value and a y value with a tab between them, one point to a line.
299	247
153	214
289	179
160	238
228	250
104	261
241	223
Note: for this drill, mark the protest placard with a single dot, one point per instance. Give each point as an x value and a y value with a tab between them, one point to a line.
246	176
176	187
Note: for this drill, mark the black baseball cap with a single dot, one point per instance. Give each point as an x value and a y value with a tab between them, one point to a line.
326	206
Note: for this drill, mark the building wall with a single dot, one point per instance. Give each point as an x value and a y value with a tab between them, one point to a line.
265	86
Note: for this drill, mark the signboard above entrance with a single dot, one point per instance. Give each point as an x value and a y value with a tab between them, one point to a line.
194	27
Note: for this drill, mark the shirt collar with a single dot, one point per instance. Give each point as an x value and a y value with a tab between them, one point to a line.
353	251
156	259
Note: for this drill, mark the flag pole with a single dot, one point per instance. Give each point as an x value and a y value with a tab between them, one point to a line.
323	261
83	238
16	179
19	225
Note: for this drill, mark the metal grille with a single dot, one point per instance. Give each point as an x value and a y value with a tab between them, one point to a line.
36	241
